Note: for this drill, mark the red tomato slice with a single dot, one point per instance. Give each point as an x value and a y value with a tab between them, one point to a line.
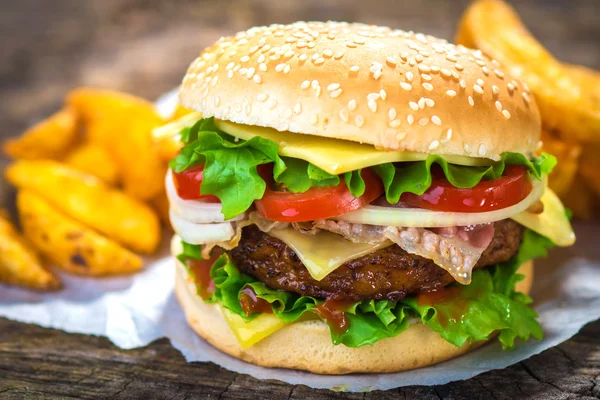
491	195
317	203
187	184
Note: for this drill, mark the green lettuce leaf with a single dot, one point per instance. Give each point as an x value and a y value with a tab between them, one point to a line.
473	312
230	169
415	177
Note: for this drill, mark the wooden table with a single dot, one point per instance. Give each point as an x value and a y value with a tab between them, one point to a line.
49	47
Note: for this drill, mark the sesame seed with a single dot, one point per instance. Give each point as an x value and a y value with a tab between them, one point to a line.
471	102
318	91
314	84
338	55
506	114
390	60
451	58
428	86
480	82
372	104
245	59
466	147
458	67
510	87
478	89
424	68
392	113
250	73
435	69
271	103
230	65
287	68
354	68
446	73
376	75
319	61
405	86
422	103
262	97
463	83
313	119
436	120
429	102
375	66
426	77
335	94
410	119
499	73
434	145
302	57
449	134
526	97
419	58
297	108
333	86
423	121
498	106
328	53
451	93
352	105
257	79
351	45
485	70
262	67
383	94
481	63
409	76
413	105
394	123
274	57
401	136
495	89
482	150
230	74
360	120
344	115
525	86
373	96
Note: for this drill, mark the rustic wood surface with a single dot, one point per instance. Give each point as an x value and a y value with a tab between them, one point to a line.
144	46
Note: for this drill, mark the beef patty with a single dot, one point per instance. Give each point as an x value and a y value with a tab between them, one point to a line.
389	273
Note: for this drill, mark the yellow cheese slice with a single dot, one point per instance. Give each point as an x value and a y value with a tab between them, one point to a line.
552	222
323	252
333	155
252	332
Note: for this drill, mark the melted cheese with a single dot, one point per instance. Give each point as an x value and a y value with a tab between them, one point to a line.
252	332
552	222
324	252
333	155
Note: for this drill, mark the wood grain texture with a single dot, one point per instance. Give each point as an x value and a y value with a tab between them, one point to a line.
144	47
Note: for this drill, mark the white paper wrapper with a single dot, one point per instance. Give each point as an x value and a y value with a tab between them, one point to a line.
137	310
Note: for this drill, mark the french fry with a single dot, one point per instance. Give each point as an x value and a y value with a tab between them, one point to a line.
49	139
19	263
567	154
89	201
581	199
69	244
568	103
94	160
123	124
590	167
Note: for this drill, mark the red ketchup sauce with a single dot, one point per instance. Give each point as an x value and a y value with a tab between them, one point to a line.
200	271
252	304
454	313
334	313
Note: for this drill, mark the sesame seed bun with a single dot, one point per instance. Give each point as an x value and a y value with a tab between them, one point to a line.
306	345
393	89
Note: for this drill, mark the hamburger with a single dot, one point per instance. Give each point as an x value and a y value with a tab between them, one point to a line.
354	198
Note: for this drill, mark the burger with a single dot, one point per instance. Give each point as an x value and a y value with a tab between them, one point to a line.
354	198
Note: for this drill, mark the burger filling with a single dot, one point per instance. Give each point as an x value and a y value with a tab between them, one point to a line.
368	241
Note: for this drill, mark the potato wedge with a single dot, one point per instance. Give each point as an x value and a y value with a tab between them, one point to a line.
49	139
19	263
160	204
567	104
89	201
567	154
123	124
94	160
69	244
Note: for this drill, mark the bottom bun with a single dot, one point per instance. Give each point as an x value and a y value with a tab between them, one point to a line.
306	345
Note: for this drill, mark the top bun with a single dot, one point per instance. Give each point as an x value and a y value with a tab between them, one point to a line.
395	90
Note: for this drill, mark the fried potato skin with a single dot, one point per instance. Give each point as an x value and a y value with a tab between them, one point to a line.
49	139
567	96
88	200
94	160
122	124
69	244
19	263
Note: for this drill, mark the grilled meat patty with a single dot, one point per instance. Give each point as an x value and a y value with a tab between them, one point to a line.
389	273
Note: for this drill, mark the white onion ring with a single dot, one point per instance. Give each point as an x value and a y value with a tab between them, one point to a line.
421	218
201	233
194	211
